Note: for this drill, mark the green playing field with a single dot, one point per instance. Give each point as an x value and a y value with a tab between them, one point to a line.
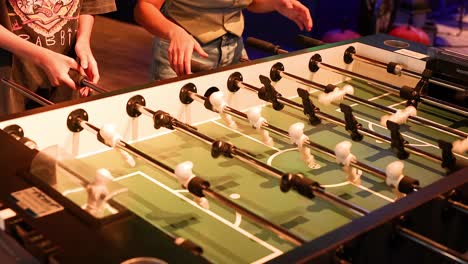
226	236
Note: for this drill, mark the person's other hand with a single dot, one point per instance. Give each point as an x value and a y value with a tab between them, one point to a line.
180	51
295	11
88	65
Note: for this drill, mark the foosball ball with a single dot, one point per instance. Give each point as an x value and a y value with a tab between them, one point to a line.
325	155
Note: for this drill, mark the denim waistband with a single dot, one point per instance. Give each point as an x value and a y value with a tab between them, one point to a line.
228	37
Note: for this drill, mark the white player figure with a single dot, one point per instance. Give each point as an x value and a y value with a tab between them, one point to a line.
346	158
400	116
112	138
254	115
98	193
184	174
336	95
398	69
296	132
460	146
394	172
218	103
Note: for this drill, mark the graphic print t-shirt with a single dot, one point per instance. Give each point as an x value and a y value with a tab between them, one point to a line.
51	24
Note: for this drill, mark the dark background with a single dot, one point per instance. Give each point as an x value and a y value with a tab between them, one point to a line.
327	15
273	26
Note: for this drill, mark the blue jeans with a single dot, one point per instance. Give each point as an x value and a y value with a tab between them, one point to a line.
222	51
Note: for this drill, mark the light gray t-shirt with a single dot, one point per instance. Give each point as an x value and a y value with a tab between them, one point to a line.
208	20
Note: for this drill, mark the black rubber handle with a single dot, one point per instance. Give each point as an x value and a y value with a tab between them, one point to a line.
308	41
83	81
77	77
264	45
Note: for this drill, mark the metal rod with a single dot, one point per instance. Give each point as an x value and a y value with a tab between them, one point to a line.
196	97
459	206
241	155
234	112
26	92
447	84
145	110
385	86
407	72
393	89
227	109
277	229
336	199
414	119
41	100
282	232
264	46
83	81
196	134
237	153
319	192
258	164
335	120
83	181
286	101
94	86
247	86
432	245
320	148
357	164
127	147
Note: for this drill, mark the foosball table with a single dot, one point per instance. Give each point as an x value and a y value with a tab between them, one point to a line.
325	155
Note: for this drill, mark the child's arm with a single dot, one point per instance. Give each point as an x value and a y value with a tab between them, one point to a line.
83	47
55	65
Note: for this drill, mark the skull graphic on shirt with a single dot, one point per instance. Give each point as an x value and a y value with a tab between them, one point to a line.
45	17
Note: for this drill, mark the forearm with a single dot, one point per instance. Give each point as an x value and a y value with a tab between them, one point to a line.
21	47
292	9
85	27
148	14
261	6
56	66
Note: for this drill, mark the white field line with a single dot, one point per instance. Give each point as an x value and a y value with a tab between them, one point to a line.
235	225
270	160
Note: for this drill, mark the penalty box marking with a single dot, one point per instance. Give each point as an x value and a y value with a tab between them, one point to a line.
278	151
235	225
